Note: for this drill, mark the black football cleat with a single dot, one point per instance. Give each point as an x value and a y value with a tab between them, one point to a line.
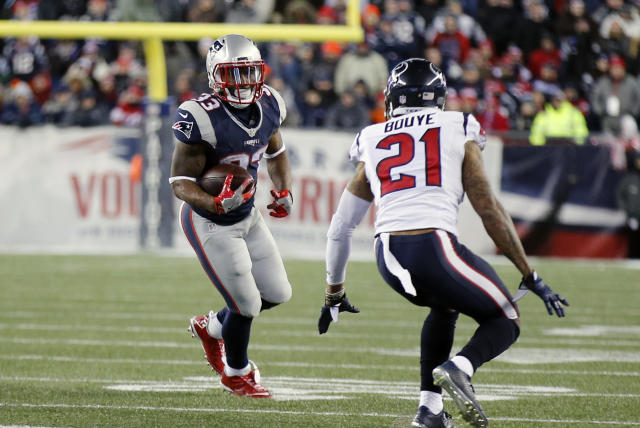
458	386
425	419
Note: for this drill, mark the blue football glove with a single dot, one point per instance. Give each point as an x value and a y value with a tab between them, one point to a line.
552	300
334	304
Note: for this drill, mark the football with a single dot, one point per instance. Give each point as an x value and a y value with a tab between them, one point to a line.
213	179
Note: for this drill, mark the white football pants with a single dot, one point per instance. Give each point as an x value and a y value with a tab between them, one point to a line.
241	260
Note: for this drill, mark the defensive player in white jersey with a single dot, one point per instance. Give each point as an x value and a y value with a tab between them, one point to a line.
417	166
237	123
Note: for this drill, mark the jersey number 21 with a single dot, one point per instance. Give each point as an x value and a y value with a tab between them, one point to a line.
406	152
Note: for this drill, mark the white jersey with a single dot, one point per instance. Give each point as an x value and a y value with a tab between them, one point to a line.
414	167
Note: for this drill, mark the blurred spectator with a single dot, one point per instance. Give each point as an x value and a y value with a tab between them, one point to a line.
378	111
471	79
21	110
547	54
132	11
61	55
326	16
558	119
88	112
25	57
524	118
206	11
498	19
609	7
41	87
453	45
282	61
53	10
428	9
178	58
347	113
385	42
182	87
128	112
97	10
407	26
126	65
107	95
24	10
453	102
370	20
323	74
361	64
492	116
578	34
299	12
547	83
244	11
60	103
466	24
533	26
313	109
468	100
615	95
620	32
293	118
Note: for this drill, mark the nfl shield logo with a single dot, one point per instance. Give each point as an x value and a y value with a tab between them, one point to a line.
402	99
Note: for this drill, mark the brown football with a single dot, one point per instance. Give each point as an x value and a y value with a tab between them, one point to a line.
213	179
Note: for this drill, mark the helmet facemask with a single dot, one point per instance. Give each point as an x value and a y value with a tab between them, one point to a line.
238	82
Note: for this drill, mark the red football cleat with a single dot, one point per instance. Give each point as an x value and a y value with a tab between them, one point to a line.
213	348
247	385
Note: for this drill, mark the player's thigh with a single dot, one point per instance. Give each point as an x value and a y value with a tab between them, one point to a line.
224	256
268	268
467	283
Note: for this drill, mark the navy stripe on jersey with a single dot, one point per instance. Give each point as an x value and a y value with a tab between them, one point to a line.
464	122
186	220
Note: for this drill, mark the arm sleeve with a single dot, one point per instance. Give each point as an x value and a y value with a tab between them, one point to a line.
351	210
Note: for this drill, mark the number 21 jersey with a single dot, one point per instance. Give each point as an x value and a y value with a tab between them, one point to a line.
414	166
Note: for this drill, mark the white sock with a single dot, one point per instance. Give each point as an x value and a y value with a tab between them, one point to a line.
230	371
463	364
432	400
214	327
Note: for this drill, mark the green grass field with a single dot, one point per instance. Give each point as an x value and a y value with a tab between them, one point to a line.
102	341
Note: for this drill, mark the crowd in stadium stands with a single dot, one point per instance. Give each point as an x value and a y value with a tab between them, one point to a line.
556	67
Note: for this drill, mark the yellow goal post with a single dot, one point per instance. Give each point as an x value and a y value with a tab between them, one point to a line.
153	34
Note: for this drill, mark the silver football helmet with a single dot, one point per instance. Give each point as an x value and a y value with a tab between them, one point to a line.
235	70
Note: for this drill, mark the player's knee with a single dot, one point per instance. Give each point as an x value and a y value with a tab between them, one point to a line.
284	294
250	309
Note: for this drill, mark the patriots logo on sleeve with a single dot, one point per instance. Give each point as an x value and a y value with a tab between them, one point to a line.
184	127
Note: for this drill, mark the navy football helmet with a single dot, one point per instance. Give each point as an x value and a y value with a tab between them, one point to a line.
413	84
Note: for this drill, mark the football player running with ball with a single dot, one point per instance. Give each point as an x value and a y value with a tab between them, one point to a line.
237	123
417	166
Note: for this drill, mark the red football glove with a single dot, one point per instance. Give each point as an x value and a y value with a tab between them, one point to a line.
281	205
229	200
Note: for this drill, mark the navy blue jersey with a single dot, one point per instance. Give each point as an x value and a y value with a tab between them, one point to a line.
238	136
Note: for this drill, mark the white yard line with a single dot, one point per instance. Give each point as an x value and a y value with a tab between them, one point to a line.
302	385
597	335
581	422
301	364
